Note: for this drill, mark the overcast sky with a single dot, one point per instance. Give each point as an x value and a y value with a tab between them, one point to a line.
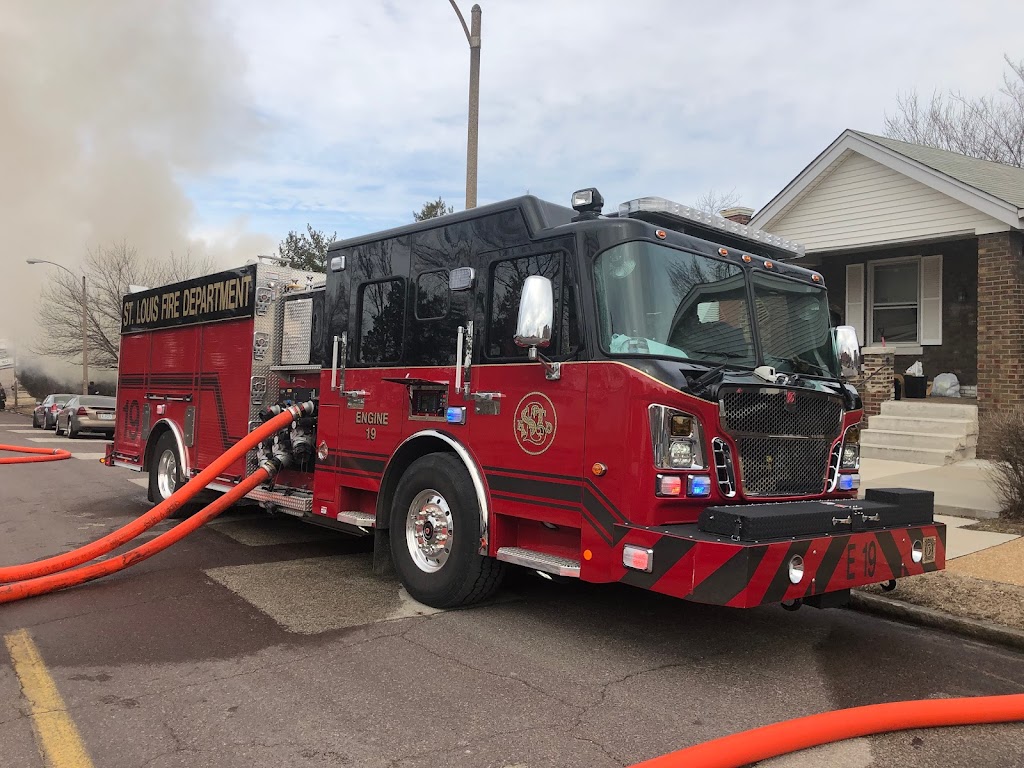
221	126
368	99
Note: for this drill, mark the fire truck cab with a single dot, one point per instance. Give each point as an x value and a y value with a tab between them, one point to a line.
652	396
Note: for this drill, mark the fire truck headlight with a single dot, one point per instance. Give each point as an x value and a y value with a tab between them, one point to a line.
676	438
851	456
322	450
851	448
796	569
680	453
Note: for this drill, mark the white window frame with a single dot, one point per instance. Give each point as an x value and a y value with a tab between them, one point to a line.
869	305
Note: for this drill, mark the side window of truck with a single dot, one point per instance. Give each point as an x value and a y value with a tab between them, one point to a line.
381	321
506	286
432	295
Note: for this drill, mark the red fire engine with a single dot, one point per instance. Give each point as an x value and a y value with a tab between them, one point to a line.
652	396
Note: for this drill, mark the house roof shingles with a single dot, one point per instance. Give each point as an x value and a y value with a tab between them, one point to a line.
1004	182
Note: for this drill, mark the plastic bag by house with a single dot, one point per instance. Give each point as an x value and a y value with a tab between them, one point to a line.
946	385
916	369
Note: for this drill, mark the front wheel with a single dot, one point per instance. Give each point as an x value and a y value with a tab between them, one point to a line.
435	530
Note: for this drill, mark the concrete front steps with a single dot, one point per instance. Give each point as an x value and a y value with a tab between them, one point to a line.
922	432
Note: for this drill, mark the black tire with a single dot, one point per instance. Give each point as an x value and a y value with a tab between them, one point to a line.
464	576
71	431
35	422
166	444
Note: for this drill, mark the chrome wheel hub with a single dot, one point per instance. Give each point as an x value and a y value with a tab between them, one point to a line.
429	530
167	474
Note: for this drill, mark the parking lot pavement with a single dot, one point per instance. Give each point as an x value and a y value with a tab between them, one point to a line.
259	641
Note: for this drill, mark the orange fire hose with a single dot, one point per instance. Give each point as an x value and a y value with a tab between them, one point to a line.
144	522
40	586
741	749
44	454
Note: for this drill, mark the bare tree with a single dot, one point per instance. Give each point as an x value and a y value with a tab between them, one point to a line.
988	127
714	201
109	271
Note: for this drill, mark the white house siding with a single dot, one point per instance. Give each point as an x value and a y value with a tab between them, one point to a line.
862	202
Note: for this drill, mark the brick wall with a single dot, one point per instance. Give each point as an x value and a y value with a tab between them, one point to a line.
1000	328
875	383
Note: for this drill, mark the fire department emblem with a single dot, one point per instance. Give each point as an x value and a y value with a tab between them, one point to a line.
535	423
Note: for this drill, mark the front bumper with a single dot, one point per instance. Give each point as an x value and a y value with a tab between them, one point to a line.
704	568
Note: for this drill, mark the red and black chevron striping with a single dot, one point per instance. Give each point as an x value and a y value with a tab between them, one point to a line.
723	572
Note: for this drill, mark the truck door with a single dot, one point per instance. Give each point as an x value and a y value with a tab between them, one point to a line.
526	426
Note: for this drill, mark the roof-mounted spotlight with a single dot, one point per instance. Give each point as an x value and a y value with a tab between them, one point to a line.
588	203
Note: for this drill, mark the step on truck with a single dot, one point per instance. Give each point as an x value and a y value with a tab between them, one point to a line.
652	395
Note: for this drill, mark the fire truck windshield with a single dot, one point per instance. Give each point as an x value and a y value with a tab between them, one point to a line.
656	300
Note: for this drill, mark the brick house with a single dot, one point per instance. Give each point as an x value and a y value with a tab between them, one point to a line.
921	252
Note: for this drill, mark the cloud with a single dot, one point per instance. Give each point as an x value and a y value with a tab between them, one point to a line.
657	97
104	105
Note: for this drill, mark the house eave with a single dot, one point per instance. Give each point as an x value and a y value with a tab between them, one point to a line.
992	206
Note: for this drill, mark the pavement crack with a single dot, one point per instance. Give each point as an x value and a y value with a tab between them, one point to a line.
511	678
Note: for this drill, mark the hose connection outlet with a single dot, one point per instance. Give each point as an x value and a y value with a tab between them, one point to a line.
796	569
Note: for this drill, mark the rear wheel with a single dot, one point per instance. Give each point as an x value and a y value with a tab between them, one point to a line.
71	431
435	530
165	472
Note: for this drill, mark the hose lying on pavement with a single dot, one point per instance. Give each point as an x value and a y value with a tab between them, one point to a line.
143	523
741	749
43	454
44	584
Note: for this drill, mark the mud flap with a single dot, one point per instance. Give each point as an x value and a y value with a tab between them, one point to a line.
383	567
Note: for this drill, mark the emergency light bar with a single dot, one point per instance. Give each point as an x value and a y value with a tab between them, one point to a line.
665	207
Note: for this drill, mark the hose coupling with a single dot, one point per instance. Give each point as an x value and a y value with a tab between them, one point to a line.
272	466
302	409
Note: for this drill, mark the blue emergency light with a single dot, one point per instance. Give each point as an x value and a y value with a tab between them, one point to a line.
455	415
698	485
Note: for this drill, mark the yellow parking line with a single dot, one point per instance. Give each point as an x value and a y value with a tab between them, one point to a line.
56	734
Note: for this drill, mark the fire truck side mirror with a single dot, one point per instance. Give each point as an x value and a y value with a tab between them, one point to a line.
536	313
847	350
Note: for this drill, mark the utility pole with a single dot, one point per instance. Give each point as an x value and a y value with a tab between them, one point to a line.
473	38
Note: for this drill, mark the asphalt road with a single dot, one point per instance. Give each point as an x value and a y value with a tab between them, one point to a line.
260	641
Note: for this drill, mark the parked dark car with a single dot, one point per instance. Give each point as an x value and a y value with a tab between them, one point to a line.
87	413
44	416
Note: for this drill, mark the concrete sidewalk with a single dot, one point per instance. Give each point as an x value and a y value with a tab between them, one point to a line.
963	494
980	593
963	489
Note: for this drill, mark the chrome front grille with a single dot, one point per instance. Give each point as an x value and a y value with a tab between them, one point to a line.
784	437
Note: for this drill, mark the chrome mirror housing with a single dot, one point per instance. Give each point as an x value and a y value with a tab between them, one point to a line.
536	313
847	350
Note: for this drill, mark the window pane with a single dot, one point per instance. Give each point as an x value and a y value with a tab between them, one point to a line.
506	286
382	320
896	283
656	300
432	295
895	325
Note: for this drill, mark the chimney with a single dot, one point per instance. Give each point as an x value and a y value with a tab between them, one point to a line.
738	213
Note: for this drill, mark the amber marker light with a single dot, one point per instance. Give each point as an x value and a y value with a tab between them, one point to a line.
723	252
816	278
767	265
588	555
746	258
660	233
598	469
